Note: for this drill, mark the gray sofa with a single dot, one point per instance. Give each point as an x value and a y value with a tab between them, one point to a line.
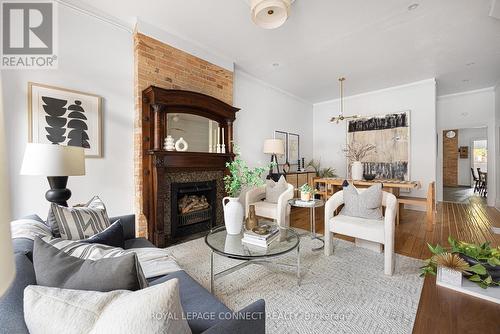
194	298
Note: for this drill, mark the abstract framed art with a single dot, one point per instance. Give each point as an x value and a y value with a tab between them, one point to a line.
282	159
65	117
390	134
293	148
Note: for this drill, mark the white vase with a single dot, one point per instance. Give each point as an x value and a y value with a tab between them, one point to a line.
233	215
169	143
181	145
357	170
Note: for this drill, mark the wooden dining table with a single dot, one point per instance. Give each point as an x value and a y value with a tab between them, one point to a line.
332	185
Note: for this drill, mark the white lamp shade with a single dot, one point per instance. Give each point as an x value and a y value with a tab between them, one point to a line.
270	14
53	160
7	268
274	146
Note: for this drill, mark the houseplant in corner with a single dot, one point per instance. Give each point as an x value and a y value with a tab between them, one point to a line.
356	152
240	176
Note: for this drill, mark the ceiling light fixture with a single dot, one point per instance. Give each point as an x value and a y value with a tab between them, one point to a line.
413	6
270	14
341	117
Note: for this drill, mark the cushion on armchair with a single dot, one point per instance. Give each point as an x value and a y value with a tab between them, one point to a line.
275	189
366	204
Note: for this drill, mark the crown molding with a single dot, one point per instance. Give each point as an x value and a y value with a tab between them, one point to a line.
416	83
474	91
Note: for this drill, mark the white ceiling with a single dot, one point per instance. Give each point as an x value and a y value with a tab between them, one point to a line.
375	44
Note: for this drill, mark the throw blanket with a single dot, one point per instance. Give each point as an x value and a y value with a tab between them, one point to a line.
154	261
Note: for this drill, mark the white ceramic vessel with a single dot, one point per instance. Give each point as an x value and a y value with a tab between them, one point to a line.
169	143
181	145
357	170
233	215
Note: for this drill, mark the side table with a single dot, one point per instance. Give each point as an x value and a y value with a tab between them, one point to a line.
312	205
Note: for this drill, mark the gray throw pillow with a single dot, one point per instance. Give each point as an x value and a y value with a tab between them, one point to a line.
366	204
54	268
275	189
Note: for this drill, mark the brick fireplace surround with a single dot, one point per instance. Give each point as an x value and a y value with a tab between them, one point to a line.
161	65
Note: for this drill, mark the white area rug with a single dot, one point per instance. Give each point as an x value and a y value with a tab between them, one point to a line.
344	293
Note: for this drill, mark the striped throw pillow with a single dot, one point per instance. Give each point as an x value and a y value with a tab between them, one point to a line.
78	223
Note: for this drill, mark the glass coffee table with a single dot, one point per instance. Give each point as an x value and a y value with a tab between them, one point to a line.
232	247
312	205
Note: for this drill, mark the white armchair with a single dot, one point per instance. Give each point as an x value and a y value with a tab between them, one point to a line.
280	212
368	232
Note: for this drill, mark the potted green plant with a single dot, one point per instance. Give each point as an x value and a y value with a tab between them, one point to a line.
240	176
306	192
321	172
479	263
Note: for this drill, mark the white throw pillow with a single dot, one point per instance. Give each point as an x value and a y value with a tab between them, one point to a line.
275	189
156	309
366	204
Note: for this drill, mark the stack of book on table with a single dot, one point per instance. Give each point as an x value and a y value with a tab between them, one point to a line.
261	240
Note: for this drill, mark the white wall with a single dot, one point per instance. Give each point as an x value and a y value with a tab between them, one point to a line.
94	57
497	140
467	110
466	137
419	97
263	110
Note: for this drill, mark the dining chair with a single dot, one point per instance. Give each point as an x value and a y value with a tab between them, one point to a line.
475	179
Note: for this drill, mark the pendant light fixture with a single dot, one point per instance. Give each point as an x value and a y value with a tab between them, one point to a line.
270	14
341	117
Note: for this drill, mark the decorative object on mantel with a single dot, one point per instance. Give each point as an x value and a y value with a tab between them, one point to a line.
478	263
274	147
181	145
239	176
56	162
270	14
390	133
355	153
341	117
65	117
169	143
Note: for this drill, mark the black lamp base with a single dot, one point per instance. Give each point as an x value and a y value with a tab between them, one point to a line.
58	192
272	175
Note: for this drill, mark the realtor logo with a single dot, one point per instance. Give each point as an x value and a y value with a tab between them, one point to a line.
28	35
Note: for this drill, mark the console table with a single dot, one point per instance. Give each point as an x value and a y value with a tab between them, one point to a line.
442	310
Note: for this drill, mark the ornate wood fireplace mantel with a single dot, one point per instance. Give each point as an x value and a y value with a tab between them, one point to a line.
156	104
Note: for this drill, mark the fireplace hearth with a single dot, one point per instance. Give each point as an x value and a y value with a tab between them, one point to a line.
193	207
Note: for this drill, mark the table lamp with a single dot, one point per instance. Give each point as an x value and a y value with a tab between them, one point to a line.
56	162
7	267
274	147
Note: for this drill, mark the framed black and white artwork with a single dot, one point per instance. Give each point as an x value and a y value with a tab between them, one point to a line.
293	148
65	117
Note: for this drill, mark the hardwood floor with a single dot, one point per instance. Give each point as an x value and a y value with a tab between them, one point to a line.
470	222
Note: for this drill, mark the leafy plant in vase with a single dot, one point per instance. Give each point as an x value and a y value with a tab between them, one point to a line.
306	192
356	152
478	263
240	176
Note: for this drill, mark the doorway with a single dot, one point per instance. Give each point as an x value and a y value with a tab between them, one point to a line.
465	160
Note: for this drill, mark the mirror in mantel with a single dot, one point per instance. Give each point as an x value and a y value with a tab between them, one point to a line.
199	132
